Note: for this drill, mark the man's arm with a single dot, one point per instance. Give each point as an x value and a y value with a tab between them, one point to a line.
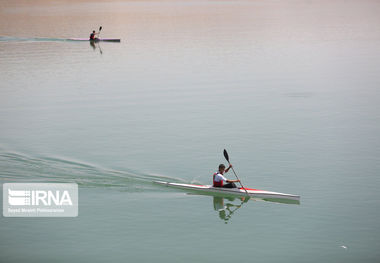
233	181
226	171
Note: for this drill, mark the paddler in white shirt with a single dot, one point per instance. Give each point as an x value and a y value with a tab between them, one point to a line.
219	180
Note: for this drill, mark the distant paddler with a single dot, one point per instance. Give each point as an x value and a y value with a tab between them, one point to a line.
218	178
95	36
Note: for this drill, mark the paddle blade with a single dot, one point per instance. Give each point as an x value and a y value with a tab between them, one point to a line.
100	28
226	155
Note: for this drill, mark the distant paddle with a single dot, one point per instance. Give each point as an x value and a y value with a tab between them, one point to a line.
228	160
100	29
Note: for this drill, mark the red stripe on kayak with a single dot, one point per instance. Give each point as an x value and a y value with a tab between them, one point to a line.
222	187
249	189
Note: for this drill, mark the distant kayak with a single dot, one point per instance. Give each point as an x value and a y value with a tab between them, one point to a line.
255	193
96	40
46	39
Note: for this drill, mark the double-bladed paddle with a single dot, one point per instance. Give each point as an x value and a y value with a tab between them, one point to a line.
228	160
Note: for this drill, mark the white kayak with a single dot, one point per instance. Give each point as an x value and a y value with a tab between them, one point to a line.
255	193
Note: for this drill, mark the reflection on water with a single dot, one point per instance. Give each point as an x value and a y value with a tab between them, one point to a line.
226	207
96	45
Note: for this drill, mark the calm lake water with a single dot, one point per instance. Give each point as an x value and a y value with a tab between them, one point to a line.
289	88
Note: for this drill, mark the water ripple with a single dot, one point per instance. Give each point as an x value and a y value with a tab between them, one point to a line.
20	167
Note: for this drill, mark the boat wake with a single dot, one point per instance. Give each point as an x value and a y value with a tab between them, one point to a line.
19	167
30	39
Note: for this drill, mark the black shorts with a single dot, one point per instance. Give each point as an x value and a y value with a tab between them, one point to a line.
229	185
